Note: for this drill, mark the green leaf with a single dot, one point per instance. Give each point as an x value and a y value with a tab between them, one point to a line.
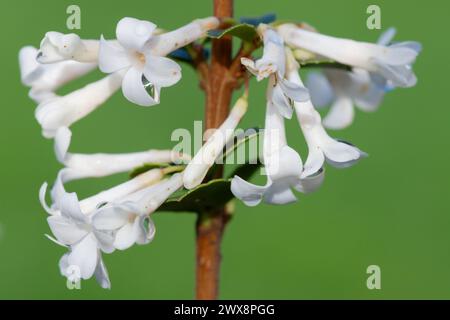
146	167
239	142
207	196
325	64
244	31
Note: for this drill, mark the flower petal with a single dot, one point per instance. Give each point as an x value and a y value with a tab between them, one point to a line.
161	71
386	37
84	255
65	231
112	57
247	192
101	274
311	183
341	114
279	193
341	155
294	91
62	142
133	89
127	235
281	102
320	90
110	217
133	33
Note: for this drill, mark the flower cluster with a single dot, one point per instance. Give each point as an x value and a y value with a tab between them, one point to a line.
117	218
136	61
374	69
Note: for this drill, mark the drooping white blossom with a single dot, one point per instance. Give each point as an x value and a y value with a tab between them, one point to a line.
282	164
78	166
393	62
321	146
273	64
198	167
141	56
45	79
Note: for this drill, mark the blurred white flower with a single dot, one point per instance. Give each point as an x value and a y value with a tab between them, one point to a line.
273	64
78	166
197	169
45	79
393	62
344	89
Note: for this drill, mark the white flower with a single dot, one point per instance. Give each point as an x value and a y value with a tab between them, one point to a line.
392	62
320	145
45	79
129	218
78	166
273	65
343	89
197	169
72	228
71	222
57	47
63	111
283	166
144	66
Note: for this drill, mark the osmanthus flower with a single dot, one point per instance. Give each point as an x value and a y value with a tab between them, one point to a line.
45	79
129	218
344	89
70	221
273	64
283	166
63	111
140	54
321	146
198	167
78	166
392	62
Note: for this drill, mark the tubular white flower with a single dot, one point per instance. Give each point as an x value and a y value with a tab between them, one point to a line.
63	111
343	89
57	47
283	166
45	79
129	219
393	62
141	55
273	65
78	166
321	147
197	169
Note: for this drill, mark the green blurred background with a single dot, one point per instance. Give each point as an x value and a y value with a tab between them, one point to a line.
390	210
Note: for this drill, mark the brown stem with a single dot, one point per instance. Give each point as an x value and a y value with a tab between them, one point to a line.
210	225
